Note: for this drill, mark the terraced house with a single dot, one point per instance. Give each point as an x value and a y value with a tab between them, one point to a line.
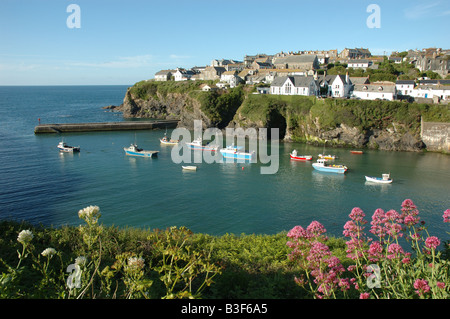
294	85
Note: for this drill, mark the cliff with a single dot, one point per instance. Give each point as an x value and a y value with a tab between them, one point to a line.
339	122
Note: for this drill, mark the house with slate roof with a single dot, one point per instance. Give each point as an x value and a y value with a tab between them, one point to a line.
303	62
294	85
339	86
375	91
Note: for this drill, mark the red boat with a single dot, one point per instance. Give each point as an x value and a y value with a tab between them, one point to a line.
296	157
356	152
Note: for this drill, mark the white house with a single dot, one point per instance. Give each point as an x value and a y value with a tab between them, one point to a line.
359	64
375	91
294	85
183	75
163	75
335	85
442	92
231	78
405	87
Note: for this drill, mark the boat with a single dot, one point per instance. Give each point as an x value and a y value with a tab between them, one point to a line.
197	144
296	157
322	166
384	179
63	147
134	150
328	157
190	168
356	152
234	152
167	141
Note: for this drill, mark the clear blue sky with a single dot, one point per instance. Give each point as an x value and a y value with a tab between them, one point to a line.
122	42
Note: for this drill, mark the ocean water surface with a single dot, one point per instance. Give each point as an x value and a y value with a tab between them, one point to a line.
40	185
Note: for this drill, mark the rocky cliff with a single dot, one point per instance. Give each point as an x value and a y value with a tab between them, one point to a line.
383	125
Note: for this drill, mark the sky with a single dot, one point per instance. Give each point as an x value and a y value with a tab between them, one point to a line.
117	42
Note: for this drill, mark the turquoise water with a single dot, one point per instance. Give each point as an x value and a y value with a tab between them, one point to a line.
41	185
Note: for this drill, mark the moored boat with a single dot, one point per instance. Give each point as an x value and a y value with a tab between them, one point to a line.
384	179
357	152
296	157
189	168
197	144
328	157
232	151
167	141
134	150
322	166
63	147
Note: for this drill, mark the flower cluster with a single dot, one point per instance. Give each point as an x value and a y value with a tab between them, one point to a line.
90	214
25	237
398	265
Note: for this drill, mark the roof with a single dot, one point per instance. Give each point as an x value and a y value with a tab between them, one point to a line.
358	61
380	88
297	81
409	82
164	72
305	58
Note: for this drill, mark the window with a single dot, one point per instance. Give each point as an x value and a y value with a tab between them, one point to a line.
287	88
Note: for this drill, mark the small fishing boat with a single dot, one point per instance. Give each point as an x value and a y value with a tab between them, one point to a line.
384	179
63	147
190	168
322	166
328	157
197	144
357	152
134	150
296	157
167	141
234	152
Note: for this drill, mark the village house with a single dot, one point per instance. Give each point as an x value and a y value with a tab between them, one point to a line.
294	85
164	75
183	74
438	91
375	91
338	86
302	62
405	87
231	78
212	73
434	62
357	53
359	64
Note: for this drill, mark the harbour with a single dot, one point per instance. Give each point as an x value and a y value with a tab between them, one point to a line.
107	126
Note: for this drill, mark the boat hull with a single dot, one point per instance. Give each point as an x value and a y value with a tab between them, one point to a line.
357	152
236	155
189	168
301	158
141	153
168	142
69	149
338	169
378	180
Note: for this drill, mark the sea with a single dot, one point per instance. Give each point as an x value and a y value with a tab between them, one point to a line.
42	186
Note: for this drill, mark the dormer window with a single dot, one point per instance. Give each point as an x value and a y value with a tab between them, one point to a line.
365	88
380	88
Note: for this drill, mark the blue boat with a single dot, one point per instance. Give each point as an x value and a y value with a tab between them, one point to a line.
322	166
234	152
134	150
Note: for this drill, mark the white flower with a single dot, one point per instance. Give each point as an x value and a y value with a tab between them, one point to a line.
136	263
89	213
48	252
80	261
25	236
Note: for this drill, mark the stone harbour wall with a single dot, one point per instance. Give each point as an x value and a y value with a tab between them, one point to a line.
436	136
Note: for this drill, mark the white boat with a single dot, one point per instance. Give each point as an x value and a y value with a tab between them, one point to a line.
167	141
296	157
63	147
134	150
322	166
385	179
197	145
190	168
234	152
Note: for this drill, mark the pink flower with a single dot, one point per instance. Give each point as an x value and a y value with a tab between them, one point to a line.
316	229
364	295
440	285
395	250
432	242
297	232
422	286
375	251
358	215
446	216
